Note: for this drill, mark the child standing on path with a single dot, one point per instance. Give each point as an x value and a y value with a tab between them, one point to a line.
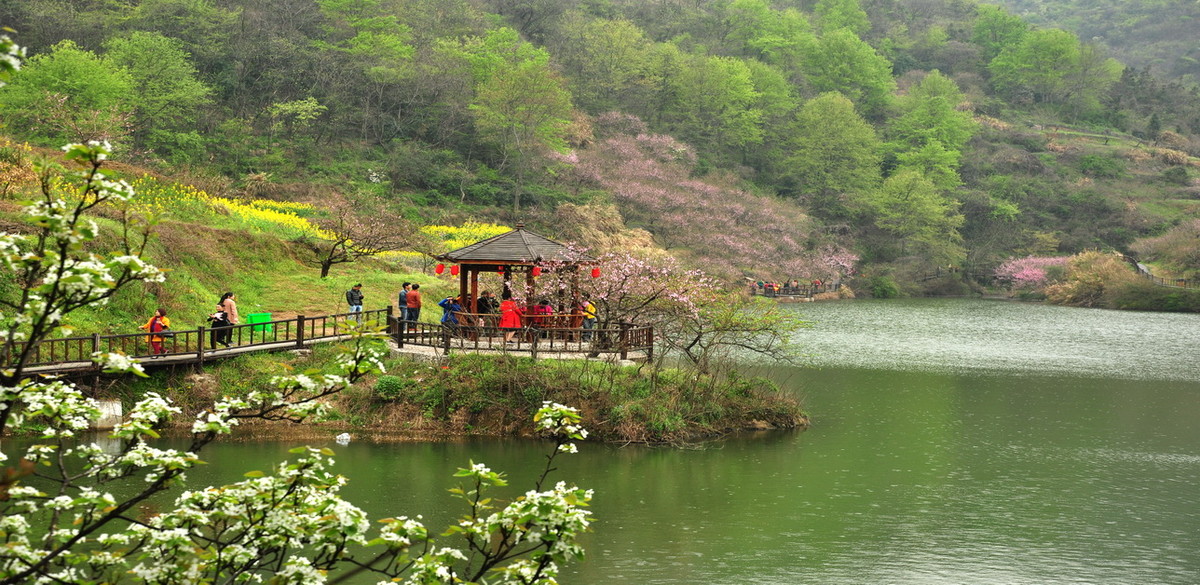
156	325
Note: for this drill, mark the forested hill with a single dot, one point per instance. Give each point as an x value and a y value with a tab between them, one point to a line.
1159	34
755	138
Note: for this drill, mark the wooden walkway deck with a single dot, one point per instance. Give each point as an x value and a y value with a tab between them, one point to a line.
72	355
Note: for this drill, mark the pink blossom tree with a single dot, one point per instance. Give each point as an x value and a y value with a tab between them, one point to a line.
693	314
1032	271
708	221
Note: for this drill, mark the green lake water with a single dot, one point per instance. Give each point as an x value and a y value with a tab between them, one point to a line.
953	442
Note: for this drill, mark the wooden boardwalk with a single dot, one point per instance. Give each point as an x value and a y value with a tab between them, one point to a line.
72	355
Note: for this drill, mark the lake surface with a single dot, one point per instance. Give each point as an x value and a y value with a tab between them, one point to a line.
954	442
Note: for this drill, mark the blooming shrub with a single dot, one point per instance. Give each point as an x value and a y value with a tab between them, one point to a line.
1032	271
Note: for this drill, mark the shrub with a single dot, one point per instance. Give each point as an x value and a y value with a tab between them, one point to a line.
391	388
1105	167
1142	295
883	287
1176	176
1031	271
1092	278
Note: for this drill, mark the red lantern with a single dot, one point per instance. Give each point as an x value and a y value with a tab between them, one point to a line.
454	270
440	268
500	269
537	270
595	273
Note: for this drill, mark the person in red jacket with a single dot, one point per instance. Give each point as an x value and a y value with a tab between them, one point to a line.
414	305
510	316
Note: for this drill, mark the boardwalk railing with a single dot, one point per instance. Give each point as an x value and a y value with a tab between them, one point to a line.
195	345
1167	282
554	334
803	290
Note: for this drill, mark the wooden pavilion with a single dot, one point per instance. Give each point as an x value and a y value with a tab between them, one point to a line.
515	254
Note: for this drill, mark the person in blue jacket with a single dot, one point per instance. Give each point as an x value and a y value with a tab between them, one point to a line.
450	307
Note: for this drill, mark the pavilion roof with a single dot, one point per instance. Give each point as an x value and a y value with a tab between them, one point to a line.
520	246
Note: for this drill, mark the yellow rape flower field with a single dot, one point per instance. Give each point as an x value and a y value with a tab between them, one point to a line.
211	244
285	218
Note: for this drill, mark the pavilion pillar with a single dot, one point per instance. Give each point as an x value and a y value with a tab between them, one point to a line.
462	286
473	304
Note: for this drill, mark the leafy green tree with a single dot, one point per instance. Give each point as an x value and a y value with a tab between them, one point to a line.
778	37
608	61
835	160
165	95
930	112
534	19
842	62
930	132
996	29
910	206
1036	66
201	26
936	163
68	94
778	103
44	23
1089	82
368	59
521	106
837	14
714	104
1051	66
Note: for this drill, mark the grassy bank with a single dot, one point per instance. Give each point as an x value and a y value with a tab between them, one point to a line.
497	395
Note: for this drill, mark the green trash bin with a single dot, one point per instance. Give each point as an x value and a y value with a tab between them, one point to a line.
263	318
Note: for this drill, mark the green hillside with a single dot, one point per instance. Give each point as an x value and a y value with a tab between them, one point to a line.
833	139
1158	34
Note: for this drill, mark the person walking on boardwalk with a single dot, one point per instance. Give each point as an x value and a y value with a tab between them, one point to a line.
403	302
354	297
224	331
414	305
218	324
510	316
156	326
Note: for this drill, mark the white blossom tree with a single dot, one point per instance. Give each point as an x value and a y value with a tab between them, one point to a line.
60	521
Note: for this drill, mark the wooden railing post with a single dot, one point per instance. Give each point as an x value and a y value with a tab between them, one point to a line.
96	348
200	344
650	338
624	340
299	331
